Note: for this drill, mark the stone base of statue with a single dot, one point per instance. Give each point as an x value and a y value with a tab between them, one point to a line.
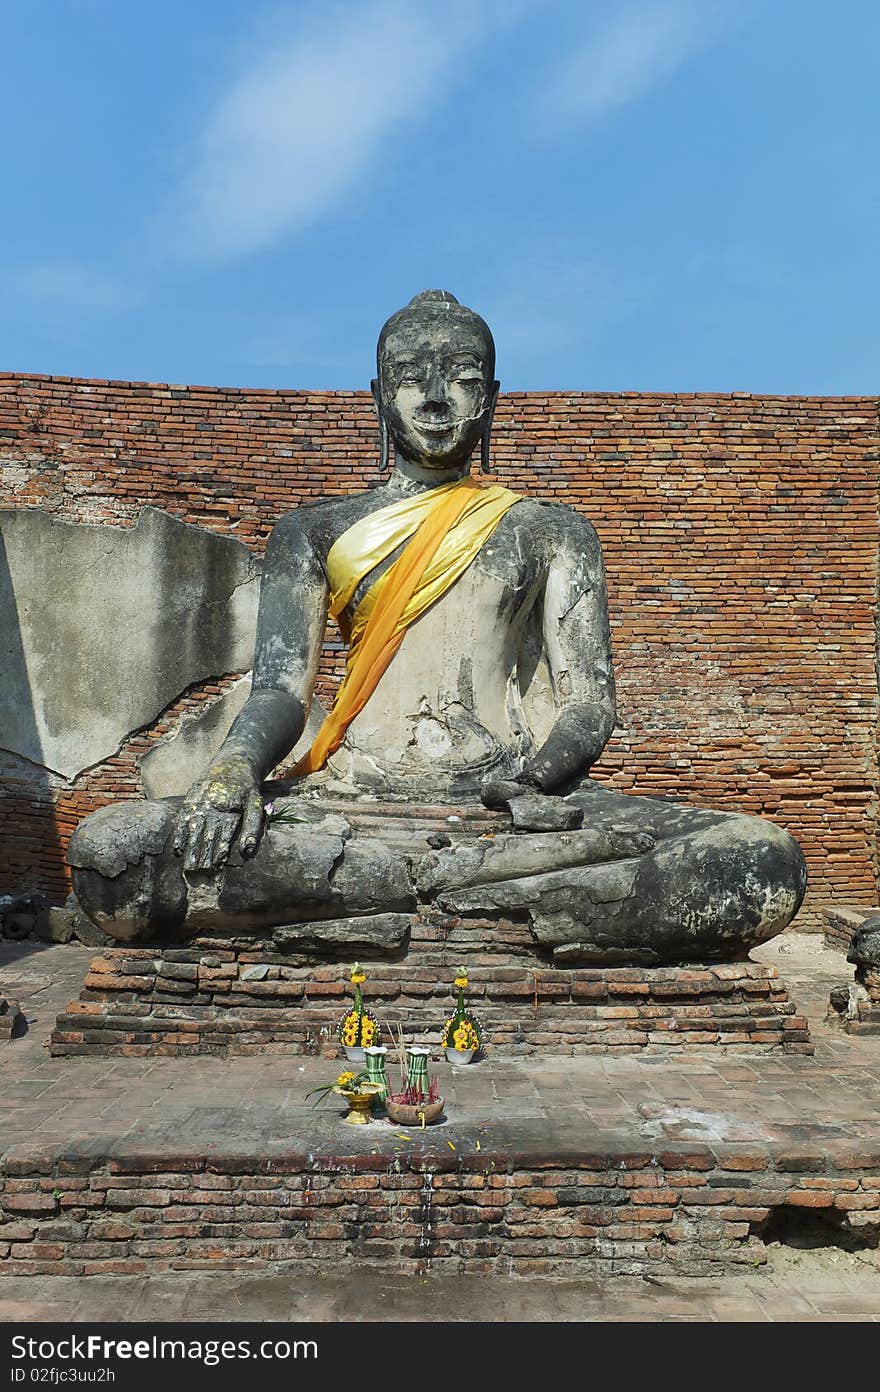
220	995
855	1012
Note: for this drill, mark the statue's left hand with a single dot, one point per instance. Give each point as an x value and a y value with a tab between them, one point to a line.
530	809
497	792
226	801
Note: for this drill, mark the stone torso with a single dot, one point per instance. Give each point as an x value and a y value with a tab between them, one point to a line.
449	708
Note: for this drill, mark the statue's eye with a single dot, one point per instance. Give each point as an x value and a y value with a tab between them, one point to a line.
464	372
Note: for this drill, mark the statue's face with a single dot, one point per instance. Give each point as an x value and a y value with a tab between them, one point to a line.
436	387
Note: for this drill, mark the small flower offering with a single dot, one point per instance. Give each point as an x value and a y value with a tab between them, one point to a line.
358	1028
462	1031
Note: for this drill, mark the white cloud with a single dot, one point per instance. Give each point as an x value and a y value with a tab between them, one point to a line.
60	287
309	115
621	60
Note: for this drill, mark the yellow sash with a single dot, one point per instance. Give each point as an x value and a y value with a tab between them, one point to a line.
448	526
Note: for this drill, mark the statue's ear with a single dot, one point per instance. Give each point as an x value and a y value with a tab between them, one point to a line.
384	451
487	428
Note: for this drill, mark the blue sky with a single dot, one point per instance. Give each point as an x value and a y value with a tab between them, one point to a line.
643	195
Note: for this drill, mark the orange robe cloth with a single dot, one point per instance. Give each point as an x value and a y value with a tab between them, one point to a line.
448	526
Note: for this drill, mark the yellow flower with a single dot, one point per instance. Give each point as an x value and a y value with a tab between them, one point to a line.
357	976
344	1079
461	982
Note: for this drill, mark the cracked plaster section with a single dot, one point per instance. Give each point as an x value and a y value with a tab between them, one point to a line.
108	625
174	763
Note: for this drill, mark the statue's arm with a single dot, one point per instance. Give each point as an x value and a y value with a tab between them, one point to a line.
226	801
577	644
290	628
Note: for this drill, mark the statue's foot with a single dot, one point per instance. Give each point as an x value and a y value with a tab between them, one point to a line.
592	896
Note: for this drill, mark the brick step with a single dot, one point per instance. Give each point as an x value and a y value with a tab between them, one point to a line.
237	999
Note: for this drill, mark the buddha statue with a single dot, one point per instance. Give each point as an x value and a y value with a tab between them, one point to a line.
478	682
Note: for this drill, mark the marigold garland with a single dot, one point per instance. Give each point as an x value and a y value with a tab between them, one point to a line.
462	1030
358	1028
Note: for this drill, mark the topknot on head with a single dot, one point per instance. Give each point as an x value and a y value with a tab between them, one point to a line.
434	297
434	305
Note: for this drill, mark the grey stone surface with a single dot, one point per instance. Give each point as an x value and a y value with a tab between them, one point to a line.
68	923
55	925
121	878
258	973
383	931
82	927
118	836
103	626
174	762
864	949
534	812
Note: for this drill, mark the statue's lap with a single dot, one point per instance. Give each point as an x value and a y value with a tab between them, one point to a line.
655	880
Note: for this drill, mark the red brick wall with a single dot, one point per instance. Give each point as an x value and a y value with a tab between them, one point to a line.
686	1210
740	537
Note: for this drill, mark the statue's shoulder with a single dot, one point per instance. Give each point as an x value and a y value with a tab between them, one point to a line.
555	521
319	523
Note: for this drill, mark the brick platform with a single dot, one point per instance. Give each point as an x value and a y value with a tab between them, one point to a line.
603	1166
219	996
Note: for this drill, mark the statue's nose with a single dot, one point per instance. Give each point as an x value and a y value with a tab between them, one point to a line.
436	393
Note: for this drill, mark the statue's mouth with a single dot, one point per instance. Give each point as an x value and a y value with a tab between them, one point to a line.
435	428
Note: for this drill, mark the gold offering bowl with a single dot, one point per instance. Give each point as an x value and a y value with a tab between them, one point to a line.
360	1103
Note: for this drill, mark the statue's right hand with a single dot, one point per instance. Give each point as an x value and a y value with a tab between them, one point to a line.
224	803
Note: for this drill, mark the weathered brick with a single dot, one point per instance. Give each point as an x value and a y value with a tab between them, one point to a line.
810	1198
29	1203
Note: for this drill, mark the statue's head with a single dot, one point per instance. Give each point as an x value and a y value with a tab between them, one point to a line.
436	389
